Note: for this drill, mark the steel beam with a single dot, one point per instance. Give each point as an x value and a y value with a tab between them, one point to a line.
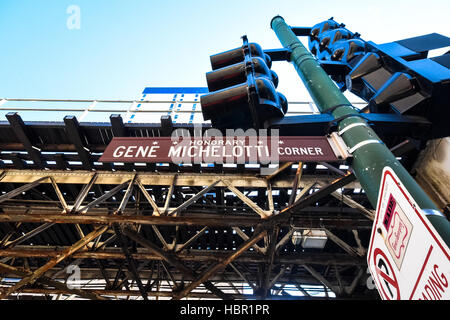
169	195
29	235
239	273
222	264
271	250
244	237
20	130
211	220
74	134
368	213
324	191
193	199
350	289
45	226
148	197
321	279
60	287
298	176
281	272
160	293
63	255
83	193
180	247
10	233
280	169
161	179
173	260
349	249
49	252
192	256
23	188
59	195
105	196
262	213
131	263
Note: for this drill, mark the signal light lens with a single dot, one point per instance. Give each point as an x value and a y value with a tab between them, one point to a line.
237	55
231	107
237	73
318	30
242	89
283	102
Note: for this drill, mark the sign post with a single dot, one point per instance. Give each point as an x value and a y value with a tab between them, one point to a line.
407	257
370	154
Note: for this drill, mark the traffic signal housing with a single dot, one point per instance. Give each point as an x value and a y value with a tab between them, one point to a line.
399	77
242	89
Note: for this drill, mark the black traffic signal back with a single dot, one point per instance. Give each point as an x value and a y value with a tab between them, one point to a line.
330	40
242	89
398	77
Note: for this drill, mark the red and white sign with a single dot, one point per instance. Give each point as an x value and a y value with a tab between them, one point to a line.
407	258
234	149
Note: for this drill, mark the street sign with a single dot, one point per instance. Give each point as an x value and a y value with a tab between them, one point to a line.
237	149
407	258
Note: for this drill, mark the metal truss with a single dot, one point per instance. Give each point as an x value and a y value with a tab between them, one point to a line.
182	235
162	231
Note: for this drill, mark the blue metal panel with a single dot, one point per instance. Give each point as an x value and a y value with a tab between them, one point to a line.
430	69
393	49
426	42
443	60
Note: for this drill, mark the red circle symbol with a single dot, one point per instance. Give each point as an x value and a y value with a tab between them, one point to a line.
385	275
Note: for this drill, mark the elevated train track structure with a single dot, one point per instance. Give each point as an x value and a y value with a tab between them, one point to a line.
72	226
225	227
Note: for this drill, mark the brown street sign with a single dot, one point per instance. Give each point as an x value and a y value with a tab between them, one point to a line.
236	149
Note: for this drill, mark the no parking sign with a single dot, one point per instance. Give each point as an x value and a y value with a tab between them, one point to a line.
407	257
385	274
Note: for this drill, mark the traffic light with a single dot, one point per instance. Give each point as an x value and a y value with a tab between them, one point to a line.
329	40
399	77
242	89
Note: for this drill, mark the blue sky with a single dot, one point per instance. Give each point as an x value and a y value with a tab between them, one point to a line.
124	45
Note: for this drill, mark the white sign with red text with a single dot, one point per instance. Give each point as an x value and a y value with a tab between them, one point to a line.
407	258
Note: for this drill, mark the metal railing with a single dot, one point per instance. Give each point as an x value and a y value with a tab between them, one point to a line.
95	106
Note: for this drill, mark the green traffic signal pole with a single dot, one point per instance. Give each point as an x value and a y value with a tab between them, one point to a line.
370	154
